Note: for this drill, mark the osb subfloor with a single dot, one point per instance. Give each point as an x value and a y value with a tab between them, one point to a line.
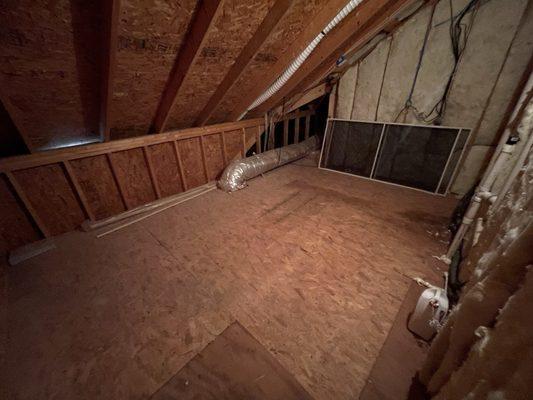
233	366
312	263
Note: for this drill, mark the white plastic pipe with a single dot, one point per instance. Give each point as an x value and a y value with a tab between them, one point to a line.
297	63
498	160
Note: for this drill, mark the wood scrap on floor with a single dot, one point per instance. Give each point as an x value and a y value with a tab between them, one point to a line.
30	250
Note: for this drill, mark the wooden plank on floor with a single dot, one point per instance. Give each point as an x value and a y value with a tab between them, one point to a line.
400	358
234	366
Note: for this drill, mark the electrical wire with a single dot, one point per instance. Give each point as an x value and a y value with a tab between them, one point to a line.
459	34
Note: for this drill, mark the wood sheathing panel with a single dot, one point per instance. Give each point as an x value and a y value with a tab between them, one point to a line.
214	155
51	195
166	168
234	144
278	42
97	182
133	176
15	226
234	27
50	65
250	135
150	36
191	158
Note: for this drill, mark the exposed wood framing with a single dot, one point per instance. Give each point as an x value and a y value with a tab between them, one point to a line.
204	161
27	203
78	190
117	181
109	56
307	126
307	97
258	140
328	12
358	27
272	19
243	143
224	149
285	132
297	127
180	165
72	153
203	19
150	165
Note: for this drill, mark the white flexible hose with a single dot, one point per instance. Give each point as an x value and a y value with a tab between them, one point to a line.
297	63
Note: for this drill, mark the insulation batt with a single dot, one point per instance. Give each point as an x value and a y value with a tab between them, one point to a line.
238	172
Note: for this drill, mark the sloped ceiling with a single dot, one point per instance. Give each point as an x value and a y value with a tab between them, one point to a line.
58	58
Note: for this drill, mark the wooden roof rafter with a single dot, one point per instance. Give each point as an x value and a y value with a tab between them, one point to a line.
264	31
313	28
368	20
109	56
203	19
318	67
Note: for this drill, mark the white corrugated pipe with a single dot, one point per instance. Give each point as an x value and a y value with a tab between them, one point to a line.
297	63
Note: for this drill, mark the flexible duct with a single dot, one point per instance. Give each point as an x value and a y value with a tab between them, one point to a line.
238	172
296	64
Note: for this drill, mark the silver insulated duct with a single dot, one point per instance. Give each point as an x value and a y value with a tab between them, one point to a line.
238	172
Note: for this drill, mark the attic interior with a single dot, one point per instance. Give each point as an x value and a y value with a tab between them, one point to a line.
267	199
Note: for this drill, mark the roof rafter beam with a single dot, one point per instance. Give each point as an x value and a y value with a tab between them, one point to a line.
269	23
358	27
312	29
203	19
109	57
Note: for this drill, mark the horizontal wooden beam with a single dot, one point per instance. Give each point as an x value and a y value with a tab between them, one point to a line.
72	153
358	27
205	15
272	19
312	29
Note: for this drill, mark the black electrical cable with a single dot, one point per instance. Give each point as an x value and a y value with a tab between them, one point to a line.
458	35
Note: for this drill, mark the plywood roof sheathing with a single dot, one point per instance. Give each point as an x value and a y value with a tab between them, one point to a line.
272	19
204	17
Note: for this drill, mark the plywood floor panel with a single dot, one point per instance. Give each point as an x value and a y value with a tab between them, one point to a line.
312	263
233	366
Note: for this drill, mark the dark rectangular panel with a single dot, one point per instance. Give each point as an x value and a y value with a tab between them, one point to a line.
414	156
351	146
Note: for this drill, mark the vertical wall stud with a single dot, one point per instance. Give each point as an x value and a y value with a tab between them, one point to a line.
78	189
117	182
204	161
180	165
150	166
33	213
